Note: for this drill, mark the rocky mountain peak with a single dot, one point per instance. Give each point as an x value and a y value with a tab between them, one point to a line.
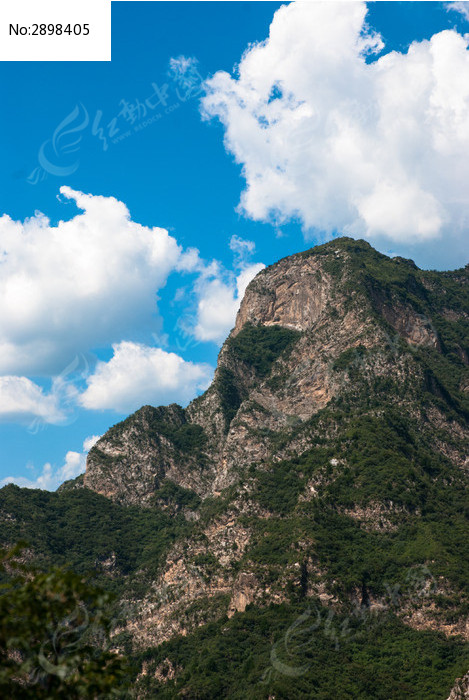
307	328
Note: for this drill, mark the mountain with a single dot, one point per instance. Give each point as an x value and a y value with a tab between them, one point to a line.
299	530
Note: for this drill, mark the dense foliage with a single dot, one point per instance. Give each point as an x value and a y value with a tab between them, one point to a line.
91	533
305	651
379	459
255	348
169	422
259	346
230	395
54	636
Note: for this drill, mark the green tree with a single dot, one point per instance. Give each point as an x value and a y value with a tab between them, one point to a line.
54	635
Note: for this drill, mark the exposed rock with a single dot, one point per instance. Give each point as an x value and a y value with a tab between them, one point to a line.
294	293
379	517
243	593
130	461
415	328
461	689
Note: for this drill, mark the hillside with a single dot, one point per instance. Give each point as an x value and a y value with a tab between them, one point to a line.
301	527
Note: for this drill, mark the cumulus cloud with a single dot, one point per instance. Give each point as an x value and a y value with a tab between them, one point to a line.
349	143
89	282
85	282
51	478
138	375
21	400
219	294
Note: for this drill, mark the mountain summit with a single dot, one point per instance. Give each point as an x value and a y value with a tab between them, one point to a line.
333	326
300	529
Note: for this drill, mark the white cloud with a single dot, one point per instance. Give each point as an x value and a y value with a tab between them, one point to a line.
89	282
50	478
83	283
218	303
241	247
461	7
138	375
182	65
90	442
219	292
21	400
377	149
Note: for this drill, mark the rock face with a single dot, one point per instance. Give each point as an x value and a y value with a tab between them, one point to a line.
130	462
303	325
461	689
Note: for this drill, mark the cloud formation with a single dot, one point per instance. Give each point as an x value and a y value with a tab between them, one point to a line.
86	282
461	7
50	478
373	148
22	401
219	294
89	282
138	375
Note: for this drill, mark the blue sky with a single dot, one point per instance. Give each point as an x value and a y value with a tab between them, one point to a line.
109	289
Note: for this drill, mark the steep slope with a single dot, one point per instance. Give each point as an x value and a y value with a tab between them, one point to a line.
318	488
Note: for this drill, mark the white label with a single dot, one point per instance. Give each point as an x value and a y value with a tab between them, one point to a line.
55	30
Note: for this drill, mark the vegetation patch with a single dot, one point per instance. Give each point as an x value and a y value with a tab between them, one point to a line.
83	529
349	357
259	346
172	494
230	396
